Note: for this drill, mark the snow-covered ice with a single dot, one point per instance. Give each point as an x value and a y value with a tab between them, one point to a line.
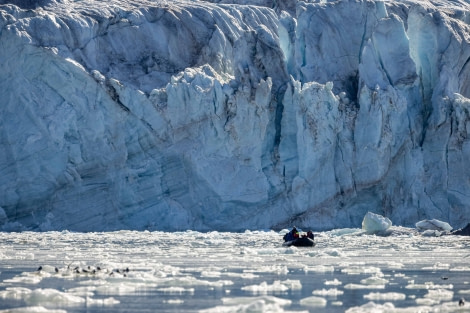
231	272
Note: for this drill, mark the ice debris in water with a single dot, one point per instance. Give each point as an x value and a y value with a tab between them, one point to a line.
180	265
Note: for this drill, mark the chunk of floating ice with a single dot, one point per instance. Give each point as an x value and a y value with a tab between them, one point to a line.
328	292
374	280
431	233
250	304
319	269
359	286
119	288
187	281
211	274
176	290
313	301
356	270
242	275
32	309
345	231
277	285
270	269
433	225
437	266
452	306
46	296
460	269
265	299
48	269
385	296
375	224
292	284
39	296
428	285
372	307
395	265
333	282
97	282
174	301
255	306
102	302
14	293
424	301
334	252
32	280
440	294
82	291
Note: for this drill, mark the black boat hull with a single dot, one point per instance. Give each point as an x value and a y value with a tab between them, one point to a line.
300	242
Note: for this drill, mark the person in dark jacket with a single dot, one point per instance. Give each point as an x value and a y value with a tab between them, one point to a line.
310	234
292	235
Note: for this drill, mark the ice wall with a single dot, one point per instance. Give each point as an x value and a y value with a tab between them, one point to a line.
232	115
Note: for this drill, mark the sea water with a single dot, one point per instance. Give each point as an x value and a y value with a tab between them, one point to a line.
128	271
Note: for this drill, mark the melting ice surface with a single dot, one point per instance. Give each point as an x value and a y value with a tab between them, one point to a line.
128	271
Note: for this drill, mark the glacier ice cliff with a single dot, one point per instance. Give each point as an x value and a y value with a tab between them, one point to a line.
228	115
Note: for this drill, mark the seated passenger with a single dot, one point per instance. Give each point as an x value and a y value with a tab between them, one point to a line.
310	234
292	235
296	234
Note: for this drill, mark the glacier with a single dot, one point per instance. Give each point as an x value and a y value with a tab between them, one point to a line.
233	114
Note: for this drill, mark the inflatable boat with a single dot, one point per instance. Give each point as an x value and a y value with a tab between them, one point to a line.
300	242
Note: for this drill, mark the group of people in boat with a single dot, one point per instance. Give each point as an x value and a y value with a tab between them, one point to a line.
295	234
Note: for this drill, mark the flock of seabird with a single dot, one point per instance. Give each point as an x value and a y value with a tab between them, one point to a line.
90	270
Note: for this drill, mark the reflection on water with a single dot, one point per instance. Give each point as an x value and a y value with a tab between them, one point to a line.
232	272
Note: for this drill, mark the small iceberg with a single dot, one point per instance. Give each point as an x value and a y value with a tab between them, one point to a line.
434	228
376	224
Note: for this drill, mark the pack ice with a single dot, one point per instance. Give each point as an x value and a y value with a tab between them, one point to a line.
230	115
